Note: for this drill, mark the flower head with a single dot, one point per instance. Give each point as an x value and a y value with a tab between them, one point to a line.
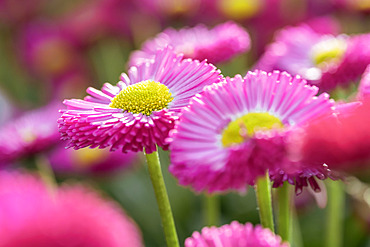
141	109
235	235
48	51
234	131
324	60
216	45
342	142
70	216
30	133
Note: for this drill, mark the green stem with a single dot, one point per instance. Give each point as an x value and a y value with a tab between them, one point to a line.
335	211
296	229
263	194
211	209
163	202
285	212
46	172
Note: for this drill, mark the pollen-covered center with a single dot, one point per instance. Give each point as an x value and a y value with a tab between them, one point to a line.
143	97
328	50
86	157
239	9
241	128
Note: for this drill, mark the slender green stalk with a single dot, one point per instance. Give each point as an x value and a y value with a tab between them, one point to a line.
335	214
285	212
263	194
163	202
46	172
211	209
296	229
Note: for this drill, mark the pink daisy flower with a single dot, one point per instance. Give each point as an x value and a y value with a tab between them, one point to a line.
216	45
342	142
49	52
324	60
364	87
234	131
30	133
235	235
31	215
89	161
141	109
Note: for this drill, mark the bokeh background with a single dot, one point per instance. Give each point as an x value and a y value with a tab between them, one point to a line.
54	49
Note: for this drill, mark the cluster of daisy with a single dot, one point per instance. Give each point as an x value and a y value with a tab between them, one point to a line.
224	133
274	125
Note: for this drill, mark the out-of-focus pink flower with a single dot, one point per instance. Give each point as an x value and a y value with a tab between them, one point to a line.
85	23
216	45
30	133
32	215
341	142
235	235
324	60
89	161
48	52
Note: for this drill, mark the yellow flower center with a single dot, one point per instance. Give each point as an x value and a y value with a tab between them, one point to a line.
28	135
240	9
144	97
85	157
329	50
241	128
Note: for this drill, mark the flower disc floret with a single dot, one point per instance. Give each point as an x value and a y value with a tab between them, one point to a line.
144	97
243	127
328	50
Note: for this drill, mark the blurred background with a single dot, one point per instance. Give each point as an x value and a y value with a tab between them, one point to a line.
54	49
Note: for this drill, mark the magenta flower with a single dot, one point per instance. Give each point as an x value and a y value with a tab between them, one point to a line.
49	52
89	161
69	216
140	111
234	131
342	142
30	133
216	45
235	235
324	60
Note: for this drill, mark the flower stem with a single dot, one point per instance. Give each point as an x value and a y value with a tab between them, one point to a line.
335	211
46	172
263	194
285	212
163	202
211	209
